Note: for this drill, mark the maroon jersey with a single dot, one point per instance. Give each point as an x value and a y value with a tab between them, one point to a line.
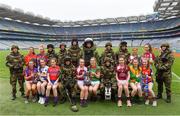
80	71
122	72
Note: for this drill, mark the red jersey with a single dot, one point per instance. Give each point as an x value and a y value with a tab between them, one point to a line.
147	71
149	55
122	72
54	73
29	57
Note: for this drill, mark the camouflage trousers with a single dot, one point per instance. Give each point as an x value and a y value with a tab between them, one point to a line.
72	88
113	89
14	77
167	82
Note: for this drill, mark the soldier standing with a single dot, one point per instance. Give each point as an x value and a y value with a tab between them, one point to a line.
163	64
50	53
75	52
108	52
15	62
62	53
123	52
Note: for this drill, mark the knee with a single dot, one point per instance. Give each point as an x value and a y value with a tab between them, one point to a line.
42	86
54	88
33	88
120	87
94	89
125	87
139	88
48	87
28	88
134	89
90	89
85	88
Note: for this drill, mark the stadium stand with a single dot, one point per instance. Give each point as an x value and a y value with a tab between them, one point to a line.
25	29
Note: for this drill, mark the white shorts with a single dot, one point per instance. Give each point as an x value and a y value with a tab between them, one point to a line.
93	83
80	83
28	82
122	82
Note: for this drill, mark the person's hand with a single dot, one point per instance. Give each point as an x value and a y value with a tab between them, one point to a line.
138	75
32	74
93	73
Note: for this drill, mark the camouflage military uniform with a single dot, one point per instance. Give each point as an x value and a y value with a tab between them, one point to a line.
123	53
68	79
88	53
163	64
61	55
75	53
108	77
108	53
50	54
15	62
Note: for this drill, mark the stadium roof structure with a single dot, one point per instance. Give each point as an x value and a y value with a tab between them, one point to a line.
19	15
167	8
163	9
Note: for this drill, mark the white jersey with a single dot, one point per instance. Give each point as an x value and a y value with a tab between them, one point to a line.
43	72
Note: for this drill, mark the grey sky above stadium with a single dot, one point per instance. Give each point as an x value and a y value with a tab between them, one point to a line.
67	10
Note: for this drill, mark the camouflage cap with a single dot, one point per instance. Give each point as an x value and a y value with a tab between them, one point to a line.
50	46
67	58
62	44
165	45
123	43
108	44
14	47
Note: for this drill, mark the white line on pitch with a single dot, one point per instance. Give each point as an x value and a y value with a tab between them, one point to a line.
176	75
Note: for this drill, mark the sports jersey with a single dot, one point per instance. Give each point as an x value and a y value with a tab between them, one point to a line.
54	73
80	71
29	71
43	72
122	72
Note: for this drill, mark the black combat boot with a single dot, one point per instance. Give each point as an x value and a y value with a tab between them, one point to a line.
168	100
13	97
159	96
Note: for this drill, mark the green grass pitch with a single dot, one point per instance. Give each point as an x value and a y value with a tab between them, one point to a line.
18	107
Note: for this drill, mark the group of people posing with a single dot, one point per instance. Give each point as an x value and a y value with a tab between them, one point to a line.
94	75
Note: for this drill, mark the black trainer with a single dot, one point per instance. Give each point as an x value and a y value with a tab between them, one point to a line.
159	96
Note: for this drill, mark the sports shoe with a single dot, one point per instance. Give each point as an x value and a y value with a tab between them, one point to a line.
34	99
154	103
147	102
40	99
119	103
26	101
129	103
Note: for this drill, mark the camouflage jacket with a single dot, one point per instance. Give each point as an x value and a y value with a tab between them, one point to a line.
51	55
15	62
68	71
107	74
163	64
61	57
124	54
75	53
108	53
